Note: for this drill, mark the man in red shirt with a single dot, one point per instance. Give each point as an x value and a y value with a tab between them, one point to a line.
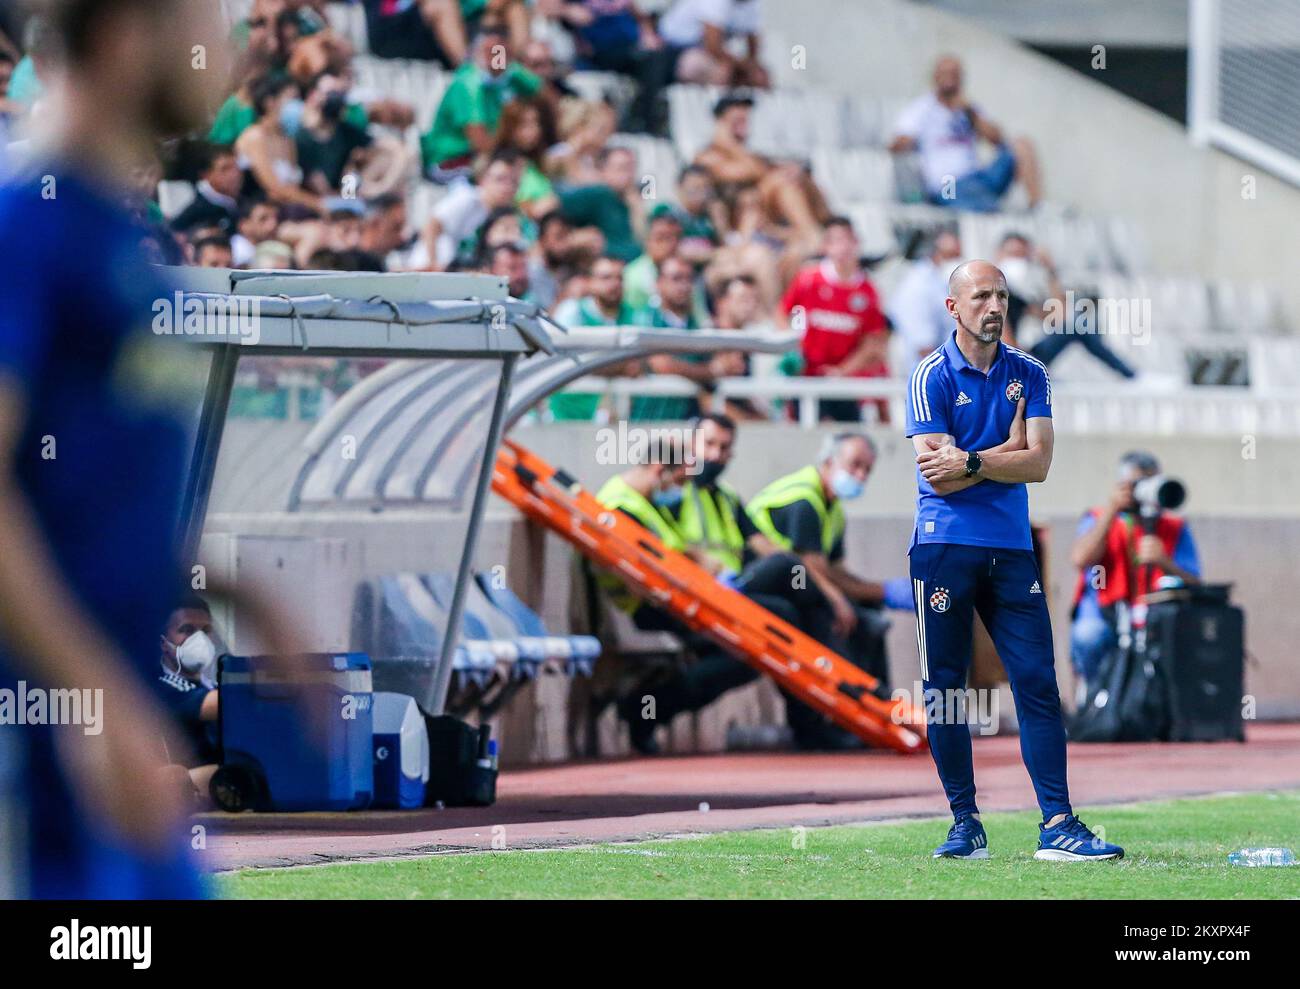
844	330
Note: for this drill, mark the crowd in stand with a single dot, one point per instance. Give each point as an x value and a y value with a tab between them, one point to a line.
298	170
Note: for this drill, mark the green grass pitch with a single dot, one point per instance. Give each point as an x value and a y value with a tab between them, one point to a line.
1174	849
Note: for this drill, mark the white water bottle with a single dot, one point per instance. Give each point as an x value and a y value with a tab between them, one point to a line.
1263	856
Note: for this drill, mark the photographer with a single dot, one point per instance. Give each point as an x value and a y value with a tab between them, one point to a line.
1123	549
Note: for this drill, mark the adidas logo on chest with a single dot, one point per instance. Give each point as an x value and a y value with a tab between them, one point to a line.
963	399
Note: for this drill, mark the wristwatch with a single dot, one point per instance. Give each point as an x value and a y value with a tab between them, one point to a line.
973	464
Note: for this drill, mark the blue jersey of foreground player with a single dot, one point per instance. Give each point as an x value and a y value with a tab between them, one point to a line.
947	395
102	462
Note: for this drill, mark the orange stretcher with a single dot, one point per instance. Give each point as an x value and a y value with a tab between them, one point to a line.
823	680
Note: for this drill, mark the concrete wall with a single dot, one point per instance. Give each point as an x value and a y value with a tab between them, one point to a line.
1101	152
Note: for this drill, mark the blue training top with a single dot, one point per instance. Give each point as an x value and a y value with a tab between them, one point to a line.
947	395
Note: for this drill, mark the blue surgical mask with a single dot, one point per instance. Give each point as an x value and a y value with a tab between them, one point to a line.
291	117
845	486
669	497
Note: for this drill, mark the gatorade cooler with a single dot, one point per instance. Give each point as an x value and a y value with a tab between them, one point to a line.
270	759
401	752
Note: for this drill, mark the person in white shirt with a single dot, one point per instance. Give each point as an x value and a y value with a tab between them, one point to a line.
945	128
697	32
919	308
458	215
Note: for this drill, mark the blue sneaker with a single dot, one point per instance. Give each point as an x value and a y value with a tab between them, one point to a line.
1072	841
966	840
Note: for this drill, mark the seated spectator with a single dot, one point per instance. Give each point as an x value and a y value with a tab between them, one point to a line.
553	259
259	219
697	32
273	255
527	127
672	308
537	57
919	309
752	249
617	36
510	261
602	306
467	118
514	14
789	196
662	240
188	684
944	128
340	234
504	225
585	130
213	251
703	215
256	38
328	145
458	216
1034	286
845	334
383	232
737	309
613	205
268	149
430	30
216	196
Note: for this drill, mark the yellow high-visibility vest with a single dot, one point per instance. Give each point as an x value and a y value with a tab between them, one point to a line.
707	520
803	485
617	495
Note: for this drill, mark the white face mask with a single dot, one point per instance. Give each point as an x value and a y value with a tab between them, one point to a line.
196	653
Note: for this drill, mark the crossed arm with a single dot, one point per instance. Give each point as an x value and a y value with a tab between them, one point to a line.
1024	458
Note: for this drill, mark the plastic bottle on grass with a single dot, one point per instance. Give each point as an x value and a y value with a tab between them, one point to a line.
1263	856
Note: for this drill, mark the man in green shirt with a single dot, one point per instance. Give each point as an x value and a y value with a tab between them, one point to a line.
671	308
662	239
605	204
603	307
470	111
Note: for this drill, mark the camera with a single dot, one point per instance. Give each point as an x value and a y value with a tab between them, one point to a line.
1158	493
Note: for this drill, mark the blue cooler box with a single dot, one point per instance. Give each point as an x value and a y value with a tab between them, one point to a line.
401	752
269	760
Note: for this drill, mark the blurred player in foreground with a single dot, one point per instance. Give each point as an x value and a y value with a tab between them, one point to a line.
94	433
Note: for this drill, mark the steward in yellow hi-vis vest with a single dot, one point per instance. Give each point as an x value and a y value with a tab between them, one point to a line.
712	518
619	494
803	487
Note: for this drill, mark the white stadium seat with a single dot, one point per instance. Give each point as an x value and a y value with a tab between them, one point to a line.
855	175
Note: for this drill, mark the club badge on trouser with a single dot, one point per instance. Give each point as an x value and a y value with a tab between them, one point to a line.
940	601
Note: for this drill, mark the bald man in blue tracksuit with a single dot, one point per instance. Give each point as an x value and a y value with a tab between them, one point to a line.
979	414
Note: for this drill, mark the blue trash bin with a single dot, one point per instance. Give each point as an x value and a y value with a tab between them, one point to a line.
269	761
